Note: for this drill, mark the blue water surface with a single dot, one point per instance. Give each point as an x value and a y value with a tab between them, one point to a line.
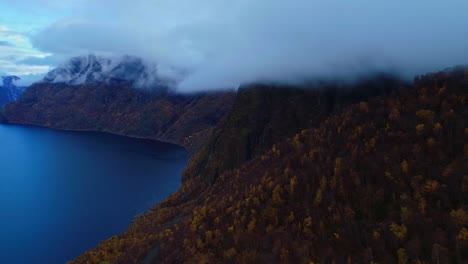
61	193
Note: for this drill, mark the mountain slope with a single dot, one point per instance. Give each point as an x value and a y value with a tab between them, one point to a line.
266	114
121	95
380	181
116	107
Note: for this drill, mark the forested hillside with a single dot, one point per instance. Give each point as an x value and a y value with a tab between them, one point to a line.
383	180
263	115
116	107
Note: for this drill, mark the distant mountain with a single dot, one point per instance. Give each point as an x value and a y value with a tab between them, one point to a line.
9	92
115	106
100	94
94	69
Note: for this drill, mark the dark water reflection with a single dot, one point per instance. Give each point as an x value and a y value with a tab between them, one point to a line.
63	192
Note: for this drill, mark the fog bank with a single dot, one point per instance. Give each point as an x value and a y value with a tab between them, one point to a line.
222	44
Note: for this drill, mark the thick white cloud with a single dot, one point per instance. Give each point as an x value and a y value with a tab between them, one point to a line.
226	43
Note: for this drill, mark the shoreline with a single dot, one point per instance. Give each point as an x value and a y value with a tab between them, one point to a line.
96	131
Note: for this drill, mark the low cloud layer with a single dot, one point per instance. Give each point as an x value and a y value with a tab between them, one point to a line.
222	44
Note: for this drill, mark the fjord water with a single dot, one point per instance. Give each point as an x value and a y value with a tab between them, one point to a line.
63	192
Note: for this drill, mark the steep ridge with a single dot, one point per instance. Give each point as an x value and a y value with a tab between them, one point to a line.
266	114
380	181
116	107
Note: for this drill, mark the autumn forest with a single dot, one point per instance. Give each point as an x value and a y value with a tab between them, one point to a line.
376	180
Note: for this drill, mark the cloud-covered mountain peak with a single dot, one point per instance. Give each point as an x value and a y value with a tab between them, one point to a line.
9	81
93	69
9	91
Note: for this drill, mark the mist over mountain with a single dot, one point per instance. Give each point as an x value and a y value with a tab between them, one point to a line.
319	131
224	45
94	69
9	91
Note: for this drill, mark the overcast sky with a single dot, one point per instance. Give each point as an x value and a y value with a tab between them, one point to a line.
225	43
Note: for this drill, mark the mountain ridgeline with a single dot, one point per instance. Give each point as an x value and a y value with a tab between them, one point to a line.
319	176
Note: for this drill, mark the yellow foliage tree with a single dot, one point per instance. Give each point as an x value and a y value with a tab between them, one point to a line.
437	127
307	225
404	166
399	231
459	217
420	129
230	253
251	225
402	256
425	115
277	195
463	235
